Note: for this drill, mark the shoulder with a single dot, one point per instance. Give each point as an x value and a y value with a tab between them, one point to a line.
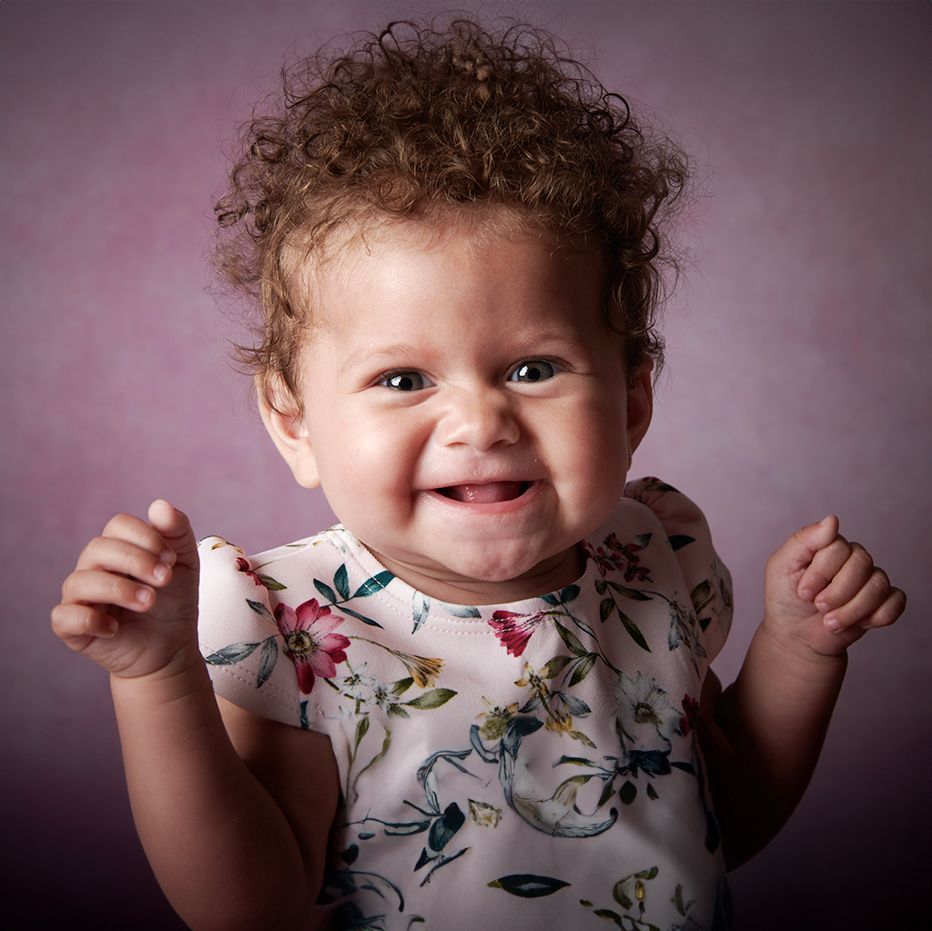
678	513
241	624
657	509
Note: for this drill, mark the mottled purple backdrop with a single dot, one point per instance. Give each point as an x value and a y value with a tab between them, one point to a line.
798	381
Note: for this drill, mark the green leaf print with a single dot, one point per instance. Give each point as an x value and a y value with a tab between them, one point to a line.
374	584
606	607
679	540
231	654
681	906
341	581
527	885
572	642
402	686
362	728
386	743
701	595
358	616
267	661
582	668
420	608
568	594
273	585
433	698
325	590
260	608
445	827
627	592
462	610
553	667
634	630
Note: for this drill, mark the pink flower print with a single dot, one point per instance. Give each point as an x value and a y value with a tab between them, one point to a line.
514	630
309	641
243	566
605	563
623	556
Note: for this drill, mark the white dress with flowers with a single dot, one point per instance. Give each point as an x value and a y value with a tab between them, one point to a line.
530	765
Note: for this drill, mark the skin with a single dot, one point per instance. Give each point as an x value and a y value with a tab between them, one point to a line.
233	835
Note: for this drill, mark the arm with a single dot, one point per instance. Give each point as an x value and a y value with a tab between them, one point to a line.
762	736
220	797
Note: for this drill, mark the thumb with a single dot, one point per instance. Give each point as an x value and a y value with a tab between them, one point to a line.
175	528
798	551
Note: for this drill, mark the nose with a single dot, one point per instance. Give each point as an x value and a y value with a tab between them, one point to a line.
480	419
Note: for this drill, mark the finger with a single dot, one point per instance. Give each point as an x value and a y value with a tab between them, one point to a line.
850	578
132	530
175	529
95	587
798	552
78	624
114	555
825	565
888	612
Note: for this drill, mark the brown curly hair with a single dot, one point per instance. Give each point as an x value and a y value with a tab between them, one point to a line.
424	118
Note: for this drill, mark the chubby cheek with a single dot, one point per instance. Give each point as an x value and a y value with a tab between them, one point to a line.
594	461
369	479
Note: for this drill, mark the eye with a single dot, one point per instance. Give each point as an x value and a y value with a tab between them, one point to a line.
404	381
533	370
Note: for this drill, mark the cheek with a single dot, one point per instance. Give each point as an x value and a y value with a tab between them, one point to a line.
370	463
593	449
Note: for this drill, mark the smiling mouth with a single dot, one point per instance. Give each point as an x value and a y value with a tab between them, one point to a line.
486	493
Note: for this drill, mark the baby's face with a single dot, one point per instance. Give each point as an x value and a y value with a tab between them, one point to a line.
466	408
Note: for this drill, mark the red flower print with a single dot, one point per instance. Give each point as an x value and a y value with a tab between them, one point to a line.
605	562
243	566
514	630
623	556
690	718
309	641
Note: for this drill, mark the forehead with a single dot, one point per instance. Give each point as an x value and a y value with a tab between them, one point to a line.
452	255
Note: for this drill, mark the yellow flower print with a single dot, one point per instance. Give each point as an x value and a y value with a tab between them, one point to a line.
483	814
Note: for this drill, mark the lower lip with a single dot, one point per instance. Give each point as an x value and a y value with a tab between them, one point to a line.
492	507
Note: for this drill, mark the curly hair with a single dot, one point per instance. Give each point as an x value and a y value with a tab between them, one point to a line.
424	118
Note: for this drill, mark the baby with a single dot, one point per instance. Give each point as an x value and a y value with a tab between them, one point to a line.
482	700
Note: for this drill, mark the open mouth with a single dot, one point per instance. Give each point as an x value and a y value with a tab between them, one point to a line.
486	493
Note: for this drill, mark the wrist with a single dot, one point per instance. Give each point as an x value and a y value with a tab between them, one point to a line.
796	655
184	674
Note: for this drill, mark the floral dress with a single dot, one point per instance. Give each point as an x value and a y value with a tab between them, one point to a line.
514	766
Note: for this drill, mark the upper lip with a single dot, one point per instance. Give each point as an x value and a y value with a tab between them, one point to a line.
481	480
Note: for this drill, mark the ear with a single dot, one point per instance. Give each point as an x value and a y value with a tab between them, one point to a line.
640	405
287	429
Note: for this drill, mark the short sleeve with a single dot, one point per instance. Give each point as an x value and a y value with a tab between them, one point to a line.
707	578
239	637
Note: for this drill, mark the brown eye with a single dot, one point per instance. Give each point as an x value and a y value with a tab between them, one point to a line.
404	381
533	370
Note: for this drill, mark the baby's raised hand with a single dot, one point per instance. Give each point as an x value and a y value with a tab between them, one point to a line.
822	592
130	604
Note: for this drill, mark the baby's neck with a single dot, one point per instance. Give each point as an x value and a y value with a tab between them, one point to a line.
549	576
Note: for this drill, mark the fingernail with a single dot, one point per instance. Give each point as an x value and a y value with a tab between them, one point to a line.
168	557
143	595
806	594
109	630
822	606
832	622
160	572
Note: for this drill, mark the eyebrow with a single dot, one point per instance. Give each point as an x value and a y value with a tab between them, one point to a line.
368	355
533	342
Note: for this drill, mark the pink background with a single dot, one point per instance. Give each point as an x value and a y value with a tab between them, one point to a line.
798	381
